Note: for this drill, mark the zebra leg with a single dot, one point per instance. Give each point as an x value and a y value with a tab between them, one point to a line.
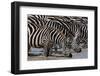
50	52
55	48
46	52
66	53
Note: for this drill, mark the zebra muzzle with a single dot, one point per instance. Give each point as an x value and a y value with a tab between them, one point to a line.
78	50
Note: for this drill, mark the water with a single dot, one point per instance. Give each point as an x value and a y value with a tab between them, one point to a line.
81	55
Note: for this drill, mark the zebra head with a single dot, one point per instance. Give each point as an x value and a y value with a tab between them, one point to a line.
74	44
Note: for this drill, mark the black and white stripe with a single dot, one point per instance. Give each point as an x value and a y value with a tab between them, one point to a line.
78	29
46	31
45	38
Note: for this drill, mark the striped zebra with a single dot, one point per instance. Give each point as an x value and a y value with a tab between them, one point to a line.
45	36
78	26
42	20
69	28
83	38
79	29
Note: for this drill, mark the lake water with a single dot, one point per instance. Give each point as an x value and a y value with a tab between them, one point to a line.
81	55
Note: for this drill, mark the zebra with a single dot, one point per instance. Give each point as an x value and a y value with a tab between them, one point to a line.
65	29
77	25
54	34
74	28
42	20
55	24
78	29
45	37
83	38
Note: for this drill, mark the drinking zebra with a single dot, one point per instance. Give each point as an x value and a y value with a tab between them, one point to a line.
45	37
77	27
73	28
36	24
41	20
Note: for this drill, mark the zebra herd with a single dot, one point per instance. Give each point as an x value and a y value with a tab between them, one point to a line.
46	31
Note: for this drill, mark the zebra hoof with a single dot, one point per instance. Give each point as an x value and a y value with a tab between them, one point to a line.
68	55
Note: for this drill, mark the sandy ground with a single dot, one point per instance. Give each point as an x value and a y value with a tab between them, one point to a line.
81	55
